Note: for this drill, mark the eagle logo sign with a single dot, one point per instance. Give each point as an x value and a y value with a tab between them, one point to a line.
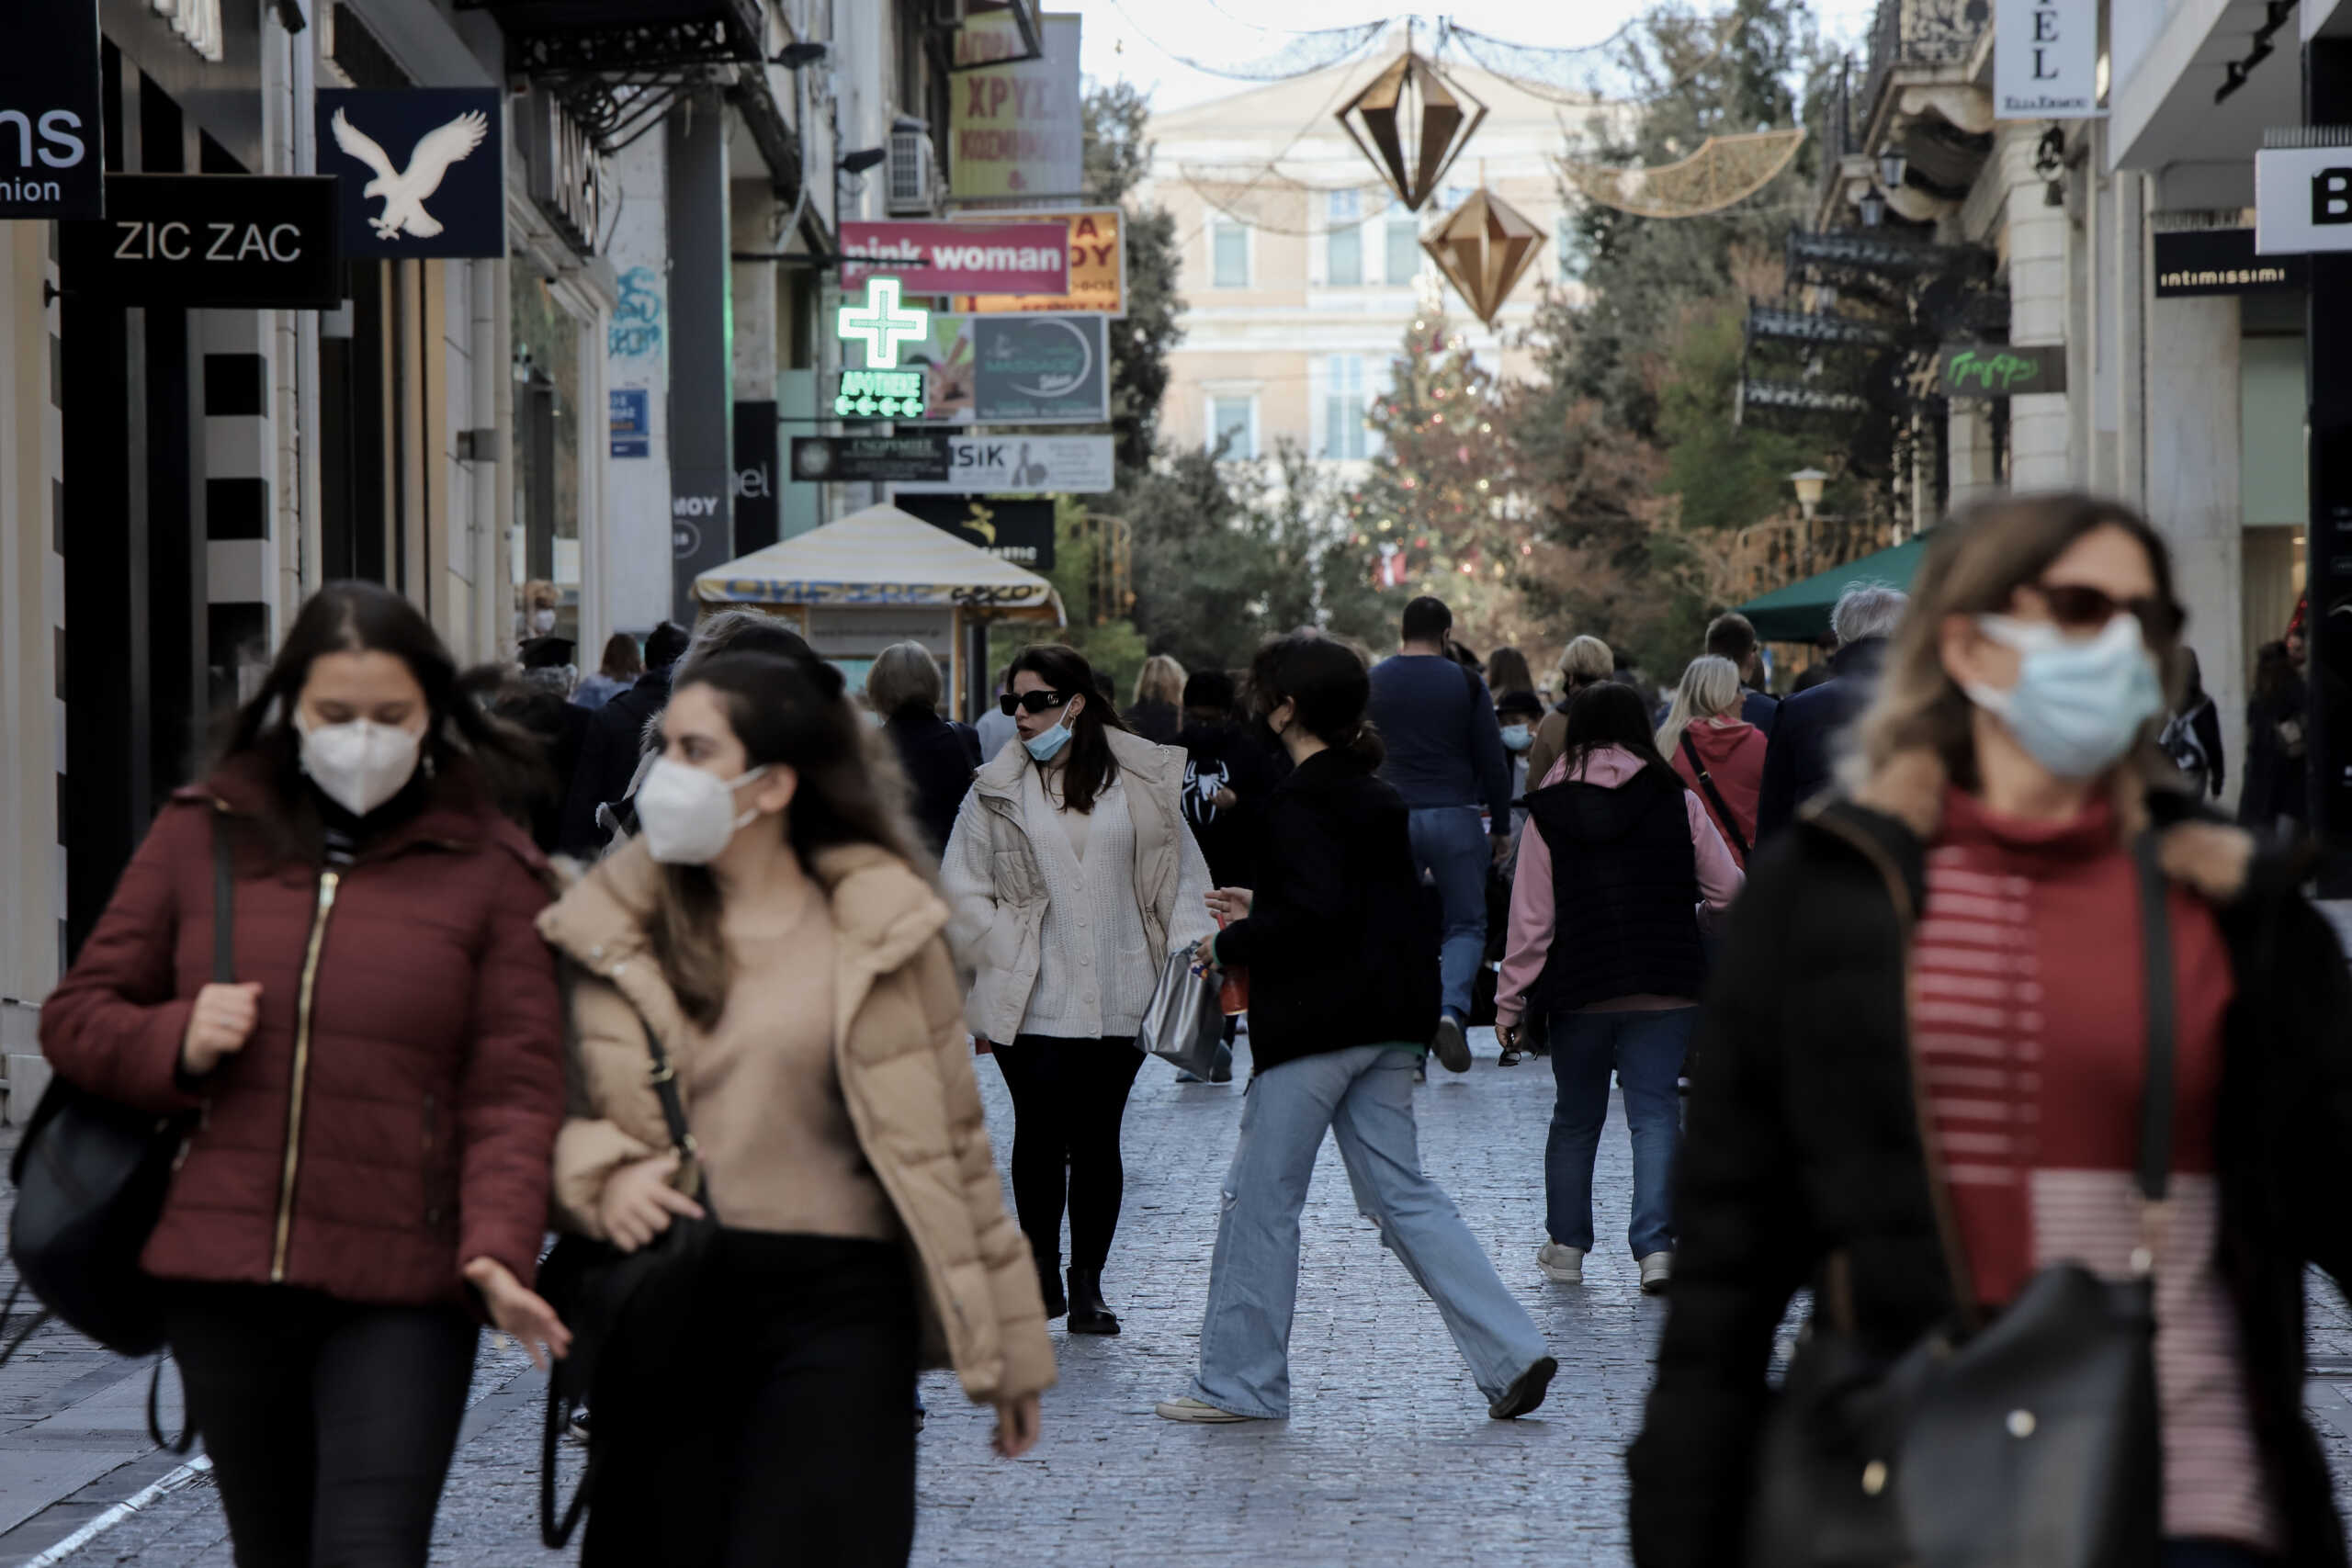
404	190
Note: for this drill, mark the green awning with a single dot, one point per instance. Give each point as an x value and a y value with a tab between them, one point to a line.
1800	612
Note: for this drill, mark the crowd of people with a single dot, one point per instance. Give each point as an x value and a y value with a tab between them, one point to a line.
697	960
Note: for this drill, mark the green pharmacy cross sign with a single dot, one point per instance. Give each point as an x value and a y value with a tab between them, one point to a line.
882	324
879	394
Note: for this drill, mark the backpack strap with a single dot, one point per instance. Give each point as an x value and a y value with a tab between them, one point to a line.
1714	798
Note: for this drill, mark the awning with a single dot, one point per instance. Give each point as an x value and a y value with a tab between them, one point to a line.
882	557
1800	612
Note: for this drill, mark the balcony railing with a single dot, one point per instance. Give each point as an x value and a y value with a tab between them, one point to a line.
1919	35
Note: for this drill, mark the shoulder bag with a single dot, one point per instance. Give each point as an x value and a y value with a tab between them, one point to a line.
2032	1439
626	1311
1714	798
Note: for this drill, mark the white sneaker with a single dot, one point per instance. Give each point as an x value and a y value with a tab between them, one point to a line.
1197	1413
1655	1268
1561	1264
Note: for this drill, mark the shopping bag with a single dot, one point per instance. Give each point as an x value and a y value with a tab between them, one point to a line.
1185	1022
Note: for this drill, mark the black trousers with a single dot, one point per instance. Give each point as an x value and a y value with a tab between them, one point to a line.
1068	1098
330	1425
780	1430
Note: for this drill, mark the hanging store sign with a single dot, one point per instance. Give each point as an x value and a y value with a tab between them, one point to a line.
423	171
2000	370
52	110
2194	263
880	394
1023	465
260	241
1018	129
565	171
1098	267
989	371
1020	532
818	460
2302	200
757	517
2045	60
933	256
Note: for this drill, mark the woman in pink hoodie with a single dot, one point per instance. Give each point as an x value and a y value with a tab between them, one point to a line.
1719	754
1605	937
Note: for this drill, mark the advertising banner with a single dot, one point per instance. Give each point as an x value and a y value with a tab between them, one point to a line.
631	418
52	113
1098	268
423	169
757	519
2045	60
940	256
1016	130
2302	200
999	370
816	459
261	242
1022	465
1019	531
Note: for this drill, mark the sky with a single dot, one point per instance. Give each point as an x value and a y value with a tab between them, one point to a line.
1131	38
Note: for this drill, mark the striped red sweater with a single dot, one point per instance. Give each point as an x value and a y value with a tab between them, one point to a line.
2029	1016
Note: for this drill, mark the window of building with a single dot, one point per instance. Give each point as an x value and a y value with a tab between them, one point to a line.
1343	241
1233	423
1230	253
1403	235
1343	406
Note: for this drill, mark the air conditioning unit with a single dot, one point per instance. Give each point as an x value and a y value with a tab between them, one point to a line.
912	186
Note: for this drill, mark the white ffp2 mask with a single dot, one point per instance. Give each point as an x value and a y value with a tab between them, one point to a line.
688	816
360	764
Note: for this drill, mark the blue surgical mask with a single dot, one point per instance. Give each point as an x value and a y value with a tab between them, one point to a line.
2079	702
1045	747
1517	737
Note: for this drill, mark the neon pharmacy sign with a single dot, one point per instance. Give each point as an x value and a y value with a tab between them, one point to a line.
879	394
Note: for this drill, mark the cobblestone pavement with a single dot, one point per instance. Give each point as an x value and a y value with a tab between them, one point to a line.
1388	1456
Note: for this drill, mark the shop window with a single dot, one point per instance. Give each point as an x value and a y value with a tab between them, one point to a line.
1233	428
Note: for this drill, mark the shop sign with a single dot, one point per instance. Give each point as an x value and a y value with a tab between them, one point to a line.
1020	532
631	420
995	370
818	460
258	242
423	169
1024	465
2190	262
754	489
1098	267
950	256
2045	60
2000	370
2302	200
565	171
51	113
1017	130
880	394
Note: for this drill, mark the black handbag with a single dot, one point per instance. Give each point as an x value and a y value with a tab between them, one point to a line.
2030	1442
625	1311
91	1177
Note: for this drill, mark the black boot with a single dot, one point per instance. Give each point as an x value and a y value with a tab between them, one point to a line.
1087	1312
1050	1284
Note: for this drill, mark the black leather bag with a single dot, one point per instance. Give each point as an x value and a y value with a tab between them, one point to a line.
627	1312
2031	1441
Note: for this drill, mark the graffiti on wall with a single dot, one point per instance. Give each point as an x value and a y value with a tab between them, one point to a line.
635	331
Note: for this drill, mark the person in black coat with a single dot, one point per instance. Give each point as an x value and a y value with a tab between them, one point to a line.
610	746
1153	715
2274	791
1802	758
939	757
1341	949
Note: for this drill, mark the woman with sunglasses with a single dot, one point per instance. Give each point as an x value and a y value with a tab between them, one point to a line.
1919	1075
1072	876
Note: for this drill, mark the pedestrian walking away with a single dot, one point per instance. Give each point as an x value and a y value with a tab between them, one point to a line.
1810	727
610	748
2274	792
1344	987
1072	876
1732	636
1156	713
768	926
615	672
996	728
1944	1005
1445	759
1587	661
373	1101
1228	775
1605	935
1719	754
939	758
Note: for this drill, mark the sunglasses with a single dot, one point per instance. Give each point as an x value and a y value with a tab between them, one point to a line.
1029	701
2077	608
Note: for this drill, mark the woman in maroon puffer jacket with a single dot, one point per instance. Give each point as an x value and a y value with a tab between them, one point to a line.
375	1098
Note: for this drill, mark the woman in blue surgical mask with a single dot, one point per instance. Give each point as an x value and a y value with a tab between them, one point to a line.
1934	1046
1072	876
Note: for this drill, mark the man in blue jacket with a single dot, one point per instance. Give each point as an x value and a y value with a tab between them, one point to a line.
1446	758
1801	759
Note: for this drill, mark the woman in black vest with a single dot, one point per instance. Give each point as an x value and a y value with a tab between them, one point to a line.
1604	938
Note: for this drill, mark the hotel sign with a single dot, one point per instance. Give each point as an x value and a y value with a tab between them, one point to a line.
51	165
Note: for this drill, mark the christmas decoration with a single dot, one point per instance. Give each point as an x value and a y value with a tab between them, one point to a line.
1484	247
1723	171
1412	123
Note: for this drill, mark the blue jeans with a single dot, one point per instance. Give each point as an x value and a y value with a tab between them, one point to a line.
1450	849
1365	1095
1645	1049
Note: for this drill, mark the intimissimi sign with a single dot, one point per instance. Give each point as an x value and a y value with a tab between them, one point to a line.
51	165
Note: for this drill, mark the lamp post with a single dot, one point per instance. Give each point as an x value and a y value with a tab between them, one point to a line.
1808	484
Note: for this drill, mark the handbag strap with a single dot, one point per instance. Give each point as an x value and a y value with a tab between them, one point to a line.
664	1078
1714	797
2157	1094
224	903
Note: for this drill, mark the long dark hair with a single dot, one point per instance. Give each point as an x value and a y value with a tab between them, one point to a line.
363	617
787	713
1327	688
1091	767
1612	713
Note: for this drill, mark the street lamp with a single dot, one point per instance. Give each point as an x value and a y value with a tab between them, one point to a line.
1809	483
1874	208
1892	168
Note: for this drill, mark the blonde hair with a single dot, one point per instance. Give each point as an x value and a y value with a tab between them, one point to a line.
1162	681
1710	688
904	675
1586	660
1975	564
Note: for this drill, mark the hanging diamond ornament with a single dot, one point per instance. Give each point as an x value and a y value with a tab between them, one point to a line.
1484	247
1412	122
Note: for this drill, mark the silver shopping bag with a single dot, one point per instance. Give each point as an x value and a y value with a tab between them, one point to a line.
1185	1023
